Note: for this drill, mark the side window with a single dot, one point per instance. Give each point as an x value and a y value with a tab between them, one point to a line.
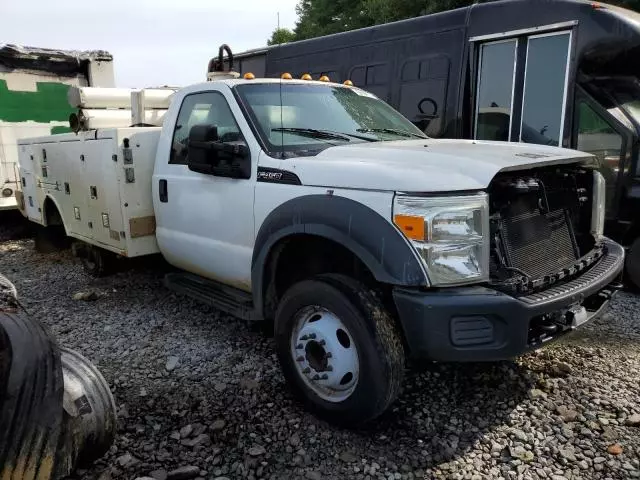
544	89
495	90
202	108
596	136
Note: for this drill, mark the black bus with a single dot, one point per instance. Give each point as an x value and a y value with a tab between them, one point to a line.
557	72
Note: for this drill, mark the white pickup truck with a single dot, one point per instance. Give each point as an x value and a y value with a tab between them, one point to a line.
318	206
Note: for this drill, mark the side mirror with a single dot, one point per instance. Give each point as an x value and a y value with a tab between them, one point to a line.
207	154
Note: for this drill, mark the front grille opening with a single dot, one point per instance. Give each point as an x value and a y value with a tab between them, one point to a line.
540	227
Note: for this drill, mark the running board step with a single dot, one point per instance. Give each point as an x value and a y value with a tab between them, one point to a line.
227	299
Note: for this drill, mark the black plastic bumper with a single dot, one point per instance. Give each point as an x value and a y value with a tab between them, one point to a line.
481	324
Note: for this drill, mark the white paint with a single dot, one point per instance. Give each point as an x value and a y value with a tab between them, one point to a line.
209	224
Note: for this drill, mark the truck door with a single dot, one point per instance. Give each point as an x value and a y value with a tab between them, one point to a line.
204	222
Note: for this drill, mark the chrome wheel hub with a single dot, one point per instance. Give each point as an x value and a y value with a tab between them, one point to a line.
325	354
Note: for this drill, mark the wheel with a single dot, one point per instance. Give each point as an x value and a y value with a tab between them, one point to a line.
50	239
339	349
96	261
632	263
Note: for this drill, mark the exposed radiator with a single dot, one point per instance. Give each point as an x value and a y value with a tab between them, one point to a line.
537	243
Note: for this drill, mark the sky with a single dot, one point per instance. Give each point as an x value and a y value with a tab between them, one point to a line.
153	42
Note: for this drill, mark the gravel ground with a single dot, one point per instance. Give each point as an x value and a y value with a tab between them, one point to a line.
201	395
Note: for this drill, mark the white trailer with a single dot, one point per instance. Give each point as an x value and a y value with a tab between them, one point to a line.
34	85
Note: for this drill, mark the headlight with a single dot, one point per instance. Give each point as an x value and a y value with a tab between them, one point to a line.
451	234
598	205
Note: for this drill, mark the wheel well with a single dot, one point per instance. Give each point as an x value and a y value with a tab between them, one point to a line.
51	213
302	256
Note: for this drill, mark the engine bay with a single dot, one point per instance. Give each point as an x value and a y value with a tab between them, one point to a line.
540	227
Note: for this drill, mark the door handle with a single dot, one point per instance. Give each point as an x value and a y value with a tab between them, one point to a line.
163	192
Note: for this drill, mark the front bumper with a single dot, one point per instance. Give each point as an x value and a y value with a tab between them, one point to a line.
482	324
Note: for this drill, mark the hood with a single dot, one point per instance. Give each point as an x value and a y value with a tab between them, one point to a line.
429	165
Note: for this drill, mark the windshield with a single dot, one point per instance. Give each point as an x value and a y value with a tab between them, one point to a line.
298	119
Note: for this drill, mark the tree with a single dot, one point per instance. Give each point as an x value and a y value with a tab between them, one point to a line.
324	17
281	35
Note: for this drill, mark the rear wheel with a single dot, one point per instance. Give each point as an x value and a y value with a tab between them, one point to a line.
50	239
96	261
339	349
632	263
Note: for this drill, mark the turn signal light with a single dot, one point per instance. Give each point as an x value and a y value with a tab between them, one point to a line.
412	227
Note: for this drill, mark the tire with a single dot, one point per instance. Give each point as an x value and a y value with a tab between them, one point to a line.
97	262
632	264
50	239
363	325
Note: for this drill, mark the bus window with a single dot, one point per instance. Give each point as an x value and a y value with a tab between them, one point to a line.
545	87
495	90
597	136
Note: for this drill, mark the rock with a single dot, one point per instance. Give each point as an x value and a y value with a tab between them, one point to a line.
186	431
313	475
198	429
175	436
633	420
257	450
202	439
221	478
172	363
567	414
159	474
348	457
249	384
561	369
537	393
86	296
294	440
568	454
143	392
615	449
519	434
609	433
521	453
144	478
598	460
184	473
218	425
126	460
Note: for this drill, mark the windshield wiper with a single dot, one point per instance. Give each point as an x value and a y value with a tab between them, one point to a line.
313	133
402	133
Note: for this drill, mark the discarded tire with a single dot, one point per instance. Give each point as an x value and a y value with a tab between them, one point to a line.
56	410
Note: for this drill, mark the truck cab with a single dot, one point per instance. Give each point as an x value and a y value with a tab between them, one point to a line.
318	206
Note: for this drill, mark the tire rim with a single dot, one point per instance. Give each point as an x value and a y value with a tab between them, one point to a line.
325	354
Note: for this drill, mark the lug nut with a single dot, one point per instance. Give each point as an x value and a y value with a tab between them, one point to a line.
300	359
325	376
322	342
328	355
304	337
306	370
316	377
299	346
329	368
312	336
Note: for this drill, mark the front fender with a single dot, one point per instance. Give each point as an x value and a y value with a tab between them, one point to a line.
368	235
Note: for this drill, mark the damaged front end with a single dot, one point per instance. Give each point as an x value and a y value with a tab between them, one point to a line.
542	230
56	410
